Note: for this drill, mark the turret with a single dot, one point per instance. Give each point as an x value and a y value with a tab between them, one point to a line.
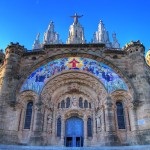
138	75
10	73
9	79
134	47
135	55
76	32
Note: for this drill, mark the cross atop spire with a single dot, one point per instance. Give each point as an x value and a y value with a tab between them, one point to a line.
76	16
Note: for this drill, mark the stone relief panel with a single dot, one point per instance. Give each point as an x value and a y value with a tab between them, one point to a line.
109	78
98	121
72	78
49	122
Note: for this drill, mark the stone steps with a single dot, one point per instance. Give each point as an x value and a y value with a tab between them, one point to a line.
12	147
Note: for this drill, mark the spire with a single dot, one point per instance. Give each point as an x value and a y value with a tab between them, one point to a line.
101	36
50	36
76	32
36	44
115	43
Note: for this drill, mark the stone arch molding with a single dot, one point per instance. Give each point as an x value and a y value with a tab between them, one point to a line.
105	74
26	96
72	82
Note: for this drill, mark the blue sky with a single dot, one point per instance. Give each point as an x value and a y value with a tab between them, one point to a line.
21	20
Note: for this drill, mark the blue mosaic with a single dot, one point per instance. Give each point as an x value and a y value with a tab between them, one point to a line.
37	79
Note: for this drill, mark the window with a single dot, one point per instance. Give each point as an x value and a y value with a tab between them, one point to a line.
58	105
89	105
85	104
28	115
89	127
59	127
80	102
120	115
62	104
68	102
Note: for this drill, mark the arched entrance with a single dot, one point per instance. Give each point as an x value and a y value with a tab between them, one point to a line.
74	132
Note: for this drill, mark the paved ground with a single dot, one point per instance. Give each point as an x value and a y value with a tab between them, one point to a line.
12	147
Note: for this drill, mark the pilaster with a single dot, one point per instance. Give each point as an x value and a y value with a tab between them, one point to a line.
53	139
85	130
37	135
62	130
94	140
110	136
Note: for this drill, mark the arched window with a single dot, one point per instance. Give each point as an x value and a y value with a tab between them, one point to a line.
58	105
89	105
67	102
120	115
89	127
80	102
85	104
62	104
59	127
28	115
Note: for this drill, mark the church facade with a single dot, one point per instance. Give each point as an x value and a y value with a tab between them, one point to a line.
75	94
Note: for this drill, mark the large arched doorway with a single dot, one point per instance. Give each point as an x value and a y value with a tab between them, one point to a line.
74	132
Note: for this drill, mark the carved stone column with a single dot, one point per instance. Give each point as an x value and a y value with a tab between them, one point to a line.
133	124
53	141
133	118
103	126
62	129
45	127
127	119
111	136
94	128
85	130
37	137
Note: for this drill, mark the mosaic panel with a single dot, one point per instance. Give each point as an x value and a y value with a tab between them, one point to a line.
37	79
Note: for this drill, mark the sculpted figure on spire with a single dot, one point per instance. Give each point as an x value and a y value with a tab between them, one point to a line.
76	18
76	32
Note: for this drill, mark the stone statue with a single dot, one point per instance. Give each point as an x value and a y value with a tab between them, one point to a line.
49	118
74	102
76	18
49	122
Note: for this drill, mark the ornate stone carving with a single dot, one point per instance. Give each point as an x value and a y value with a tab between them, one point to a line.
49	122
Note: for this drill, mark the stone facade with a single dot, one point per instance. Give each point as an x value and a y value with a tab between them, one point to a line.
63	89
